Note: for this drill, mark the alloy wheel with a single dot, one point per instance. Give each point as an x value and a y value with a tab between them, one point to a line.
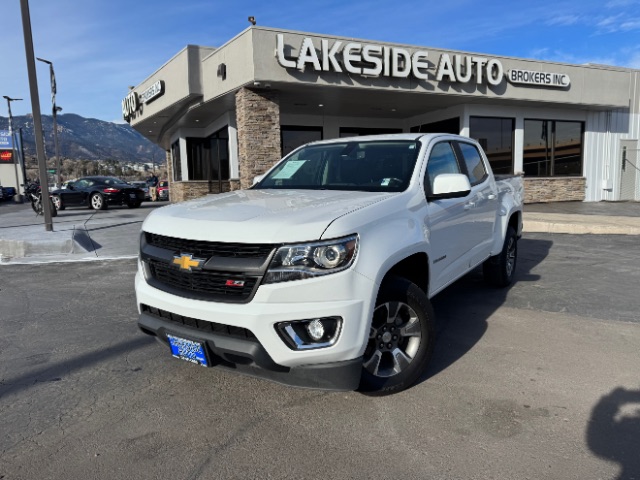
394	339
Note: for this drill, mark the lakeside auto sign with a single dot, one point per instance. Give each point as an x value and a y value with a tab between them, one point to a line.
132	103
368	60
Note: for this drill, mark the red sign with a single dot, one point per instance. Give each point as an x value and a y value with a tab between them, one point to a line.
6	156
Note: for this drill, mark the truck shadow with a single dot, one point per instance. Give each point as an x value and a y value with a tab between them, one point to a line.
613	432
462	310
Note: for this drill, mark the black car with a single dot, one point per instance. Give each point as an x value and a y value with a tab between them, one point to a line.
97	193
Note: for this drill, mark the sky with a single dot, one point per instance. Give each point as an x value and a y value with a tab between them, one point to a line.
100	47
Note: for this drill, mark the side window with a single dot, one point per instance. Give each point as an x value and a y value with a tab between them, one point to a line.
441	160
473	161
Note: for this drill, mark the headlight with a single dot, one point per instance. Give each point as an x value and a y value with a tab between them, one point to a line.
308	260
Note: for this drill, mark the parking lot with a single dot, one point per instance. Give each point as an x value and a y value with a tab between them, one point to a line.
538	381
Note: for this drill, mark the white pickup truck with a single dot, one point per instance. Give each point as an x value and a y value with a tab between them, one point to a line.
321	274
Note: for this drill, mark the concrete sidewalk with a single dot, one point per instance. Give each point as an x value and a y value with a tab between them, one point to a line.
78	234
84	235
601	218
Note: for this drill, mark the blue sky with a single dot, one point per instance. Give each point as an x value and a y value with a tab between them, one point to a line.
99	47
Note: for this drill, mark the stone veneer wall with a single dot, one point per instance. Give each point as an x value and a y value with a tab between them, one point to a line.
554	189
167	158
258	123
181	191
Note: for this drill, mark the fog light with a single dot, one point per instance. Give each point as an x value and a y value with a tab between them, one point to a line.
313	333
315	329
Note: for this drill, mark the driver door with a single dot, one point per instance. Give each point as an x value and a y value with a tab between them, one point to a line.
74	195
447	222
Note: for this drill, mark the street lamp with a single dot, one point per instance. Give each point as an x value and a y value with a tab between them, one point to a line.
54	111
35	111
13	146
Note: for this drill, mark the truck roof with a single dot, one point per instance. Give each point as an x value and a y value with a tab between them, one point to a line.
391	136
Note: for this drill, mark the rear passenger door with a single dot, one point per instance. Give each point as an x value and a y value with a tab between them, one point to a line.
482	203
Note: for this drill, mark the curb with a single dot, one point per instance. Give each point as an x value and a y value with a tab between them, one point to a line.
573	224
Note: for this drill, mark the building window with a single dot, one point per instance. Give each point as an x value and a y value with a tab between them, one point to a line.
208	158
450	125
175	161
358	132
552	148
293	136
495	135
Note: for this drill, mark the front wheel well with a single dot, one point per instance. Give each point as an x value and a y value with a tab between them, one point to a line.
414	268
515	222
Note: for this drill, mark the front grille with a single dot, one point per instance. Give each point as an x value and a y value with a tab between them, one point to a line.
203	282
201	325
210	249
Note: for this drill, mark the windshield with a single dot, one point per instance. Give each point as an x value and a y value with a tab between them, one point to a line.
112	181
376	166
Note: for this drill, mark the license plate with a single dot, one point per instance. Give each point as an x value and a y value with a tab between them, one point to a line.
132	195
188	350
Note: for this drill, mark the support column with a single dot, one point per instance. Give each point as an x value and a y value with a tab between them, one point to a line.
258	124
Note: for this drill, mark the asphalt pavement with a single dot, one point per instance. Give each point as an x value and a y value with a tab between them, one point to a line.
539	381
80	234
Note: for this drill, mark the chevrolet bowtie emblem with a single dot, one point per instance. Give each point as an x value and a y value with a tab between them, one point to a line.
186	261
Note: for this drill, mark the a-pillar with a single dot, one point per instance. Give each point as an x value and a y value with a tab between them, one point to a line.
258	123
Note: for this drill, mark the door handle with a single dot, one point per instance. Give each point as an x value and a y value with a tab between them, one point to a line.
469	205
491	196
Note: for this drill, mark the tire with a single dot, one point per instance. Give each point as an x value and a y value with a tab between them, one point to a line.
57	202
401	338
96	201
500	269
134	204
54	210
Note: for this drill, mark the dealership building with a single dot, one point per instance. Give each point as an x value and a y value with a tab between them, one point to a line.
225	115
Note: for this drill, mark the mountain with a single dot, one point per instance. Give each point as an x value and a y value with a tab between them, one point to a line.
87	139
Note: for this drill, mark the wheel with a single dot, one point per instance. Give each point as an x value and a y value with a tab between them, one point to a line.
35	204
401	338
54	210
97	202
57	202
134	204
500	269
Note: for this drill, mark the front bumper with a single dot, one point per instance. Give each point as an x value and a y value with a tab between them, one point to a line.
264	353
123	198
248	356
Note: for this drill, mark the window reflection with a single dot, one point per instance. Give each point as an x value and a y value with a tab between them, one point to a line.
293	137
495	135
552	148
442	160
208	158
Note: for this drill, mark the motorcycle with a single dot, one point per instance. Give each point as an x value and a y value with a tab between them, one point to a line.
33	192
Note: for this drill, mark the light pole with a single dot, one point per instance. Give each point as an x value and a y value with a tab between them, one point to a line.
18	198
54	111
35	109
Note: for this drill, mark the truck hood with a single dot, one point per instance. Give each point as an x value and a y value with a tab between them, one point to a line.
258	216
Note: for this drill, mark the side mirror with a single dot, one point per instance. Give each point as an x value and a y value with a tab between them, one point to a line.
257	179
70	186
450	185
